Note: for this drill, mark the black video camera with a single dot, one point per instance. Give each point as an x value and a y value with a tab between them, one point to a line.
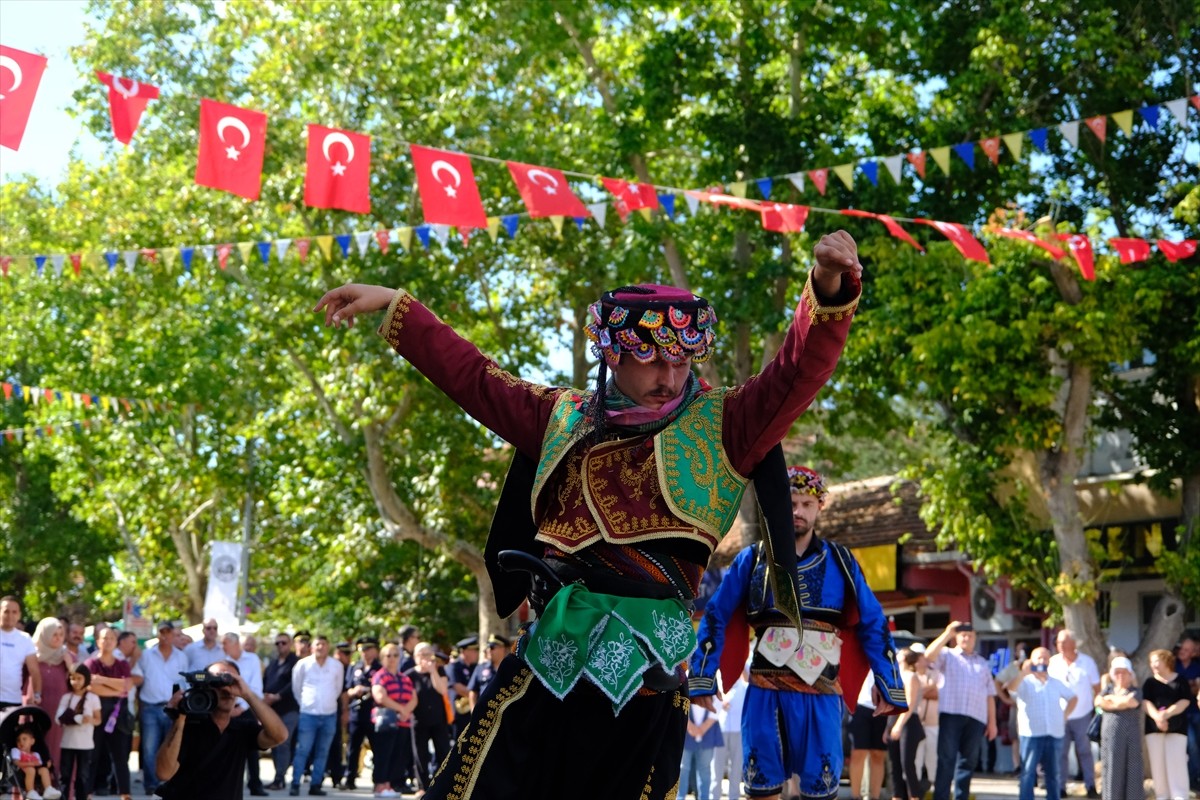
200	698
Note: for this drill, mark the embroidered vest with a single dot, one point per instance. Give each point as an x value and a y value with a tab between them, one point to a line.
693	479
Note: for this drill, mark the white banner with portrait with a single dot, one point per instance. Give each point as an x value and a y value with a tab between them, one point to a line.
224	577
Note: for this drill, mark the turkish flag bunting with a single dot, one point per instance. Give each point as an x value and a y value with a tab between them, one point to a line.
1131	251
744	203
1176	251
232	143
338	171
962	239
1081	248
20	74
127	100
449	194
545	191
1028	236
784	217
892	226
630	196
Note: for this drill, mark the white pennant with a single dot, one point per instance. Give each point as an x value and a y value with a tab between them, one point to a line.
1070	132
797	179
362	239
130	259
281	246
208	251
692	202
441	233
599	212
57	261
20	434
1178	109
893	164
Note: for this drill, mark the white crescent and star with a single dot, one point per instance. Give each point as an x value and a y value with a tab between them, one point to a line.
121	90
10	64
550	188
439	165
337	137
233	122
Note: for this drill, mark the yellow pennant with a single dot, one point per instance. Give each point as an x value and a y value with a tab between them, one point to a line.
738	189
941	157
1124	119
647	214
325	243
168	257
493	228
1014	141
404	236
557	220
244	248
846	173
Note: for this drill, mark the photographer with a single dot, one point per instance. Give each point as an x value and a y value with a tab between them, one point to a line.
204	755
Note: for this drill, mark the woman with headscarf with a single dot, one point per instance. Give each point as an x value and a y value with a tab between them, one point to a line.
54	663
1121	733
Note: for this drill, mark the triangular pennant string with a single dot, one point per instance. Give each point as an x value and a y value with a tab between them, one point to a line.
244	250
1124	120
1039	138
557	221
281	248
510	222
1150	114
797	179
820	178
1178	109
1070	132
40	261
692	201
423	235
991	148
493	228
894	164
186	254
343	243
871	170
404	237
207	251
738	189
764	188
264	251
917	159
382	238
966	151
362	239
599	212
325	245
57	260
846	173
76	261
1098	126
941	157
667	201
1014	142
130	257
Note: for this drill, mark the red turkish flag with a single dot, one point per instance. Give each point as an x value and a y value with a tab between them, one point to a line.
232	142
1029	236
449	194
1098	126
917	159
545	191
784	217
960	237
127	100
892	226
630	196
338	171
1081	248
1131	251
20	74
1177	251
820	179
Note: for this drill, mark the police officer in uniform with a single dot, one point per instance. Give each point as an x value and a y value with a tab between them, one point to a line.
358	691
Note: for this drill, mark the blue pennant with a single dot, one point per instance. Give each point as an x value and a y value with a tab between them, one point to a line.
510	221
111	257
871	170
579	221
966	151
1038	137
764	186
78	428
344	243
264	251
667	201
423	234
95	399
185	254
1150	114
41	264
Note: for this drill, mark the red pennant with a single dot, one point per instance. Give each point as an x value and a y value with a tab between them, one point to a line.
1131	251
382	236
1029	236
630	196
76	261
717	199
20	74
128	406
48	394
87	400
1098	125
991	148
150	254
127	101
232	142
960	237
784	217
545	191
223	252
338	171
820	178
917	159
8	390
1196	101
49	430
1177	251
8	435
302	246
4	262
449	194
1081	249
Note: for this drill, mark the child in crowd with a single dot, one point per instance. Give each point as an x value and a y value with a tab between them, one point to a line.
29	764
79	714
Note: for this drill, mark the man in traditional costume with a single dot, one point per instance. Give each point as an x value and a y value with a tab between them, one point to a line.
799	677
614	502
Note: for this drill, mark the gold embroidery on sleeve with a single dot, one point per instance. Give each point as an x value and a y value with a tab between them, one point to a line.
818	313
537	390
393	321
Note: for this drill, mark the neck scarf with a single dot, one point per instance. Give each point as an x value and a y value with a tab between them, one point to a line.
622	412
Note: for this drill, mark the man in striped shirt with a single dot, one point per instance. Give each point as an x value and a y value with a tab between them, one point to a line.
967	708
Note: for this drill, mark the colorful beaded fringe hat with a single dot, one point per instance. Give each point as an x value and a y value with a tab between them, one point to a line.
807	481
649	321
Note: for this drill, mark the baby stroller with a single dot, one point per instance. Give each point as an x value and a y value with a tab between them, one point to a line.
15	721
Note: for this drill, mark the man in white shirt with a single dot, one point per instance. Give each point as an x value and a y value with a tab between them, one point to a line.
16	652
158	672
317	684
250	667
1043	705
1078	671
206	652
